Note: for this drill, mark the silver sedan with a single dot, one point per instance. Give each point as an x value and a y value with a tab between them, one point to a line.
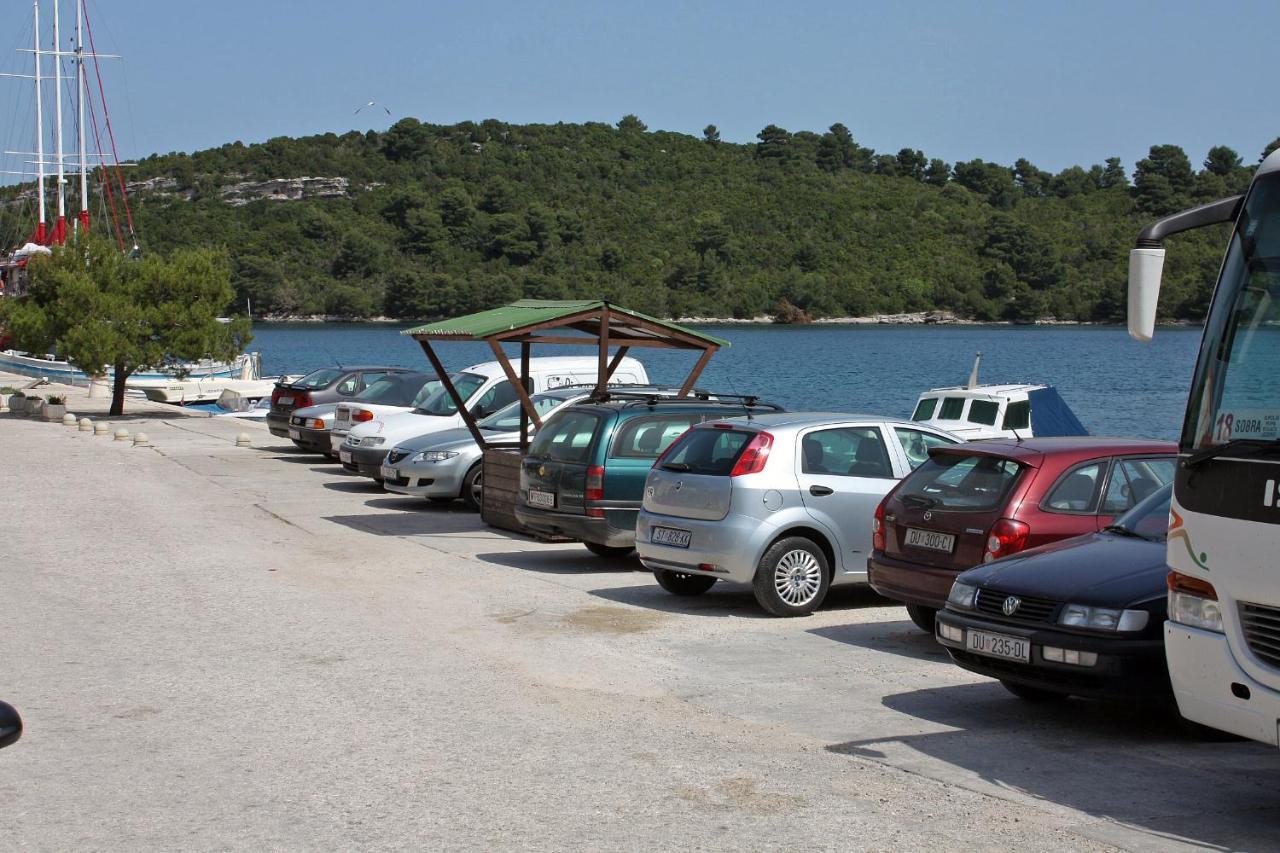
783	502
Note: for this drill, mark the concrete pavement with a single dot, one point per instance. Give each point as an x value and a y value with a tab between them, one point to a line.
225	648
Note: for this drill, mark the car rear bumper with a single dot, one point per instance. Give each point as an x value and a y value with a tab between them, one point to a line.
1210	686
729	545
278	424
910	583
1128	669
580	527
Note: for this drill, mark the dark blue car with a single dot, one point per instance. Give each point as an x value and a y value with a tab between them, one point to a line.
1083	616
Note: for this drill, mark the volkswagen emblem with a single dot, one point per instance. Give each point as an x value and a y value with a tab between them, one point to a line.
928	516
542	470
1011	605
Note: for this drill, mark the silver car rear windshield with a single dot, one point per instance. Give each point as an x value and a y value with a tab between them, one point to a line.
959	482
318	378
708	451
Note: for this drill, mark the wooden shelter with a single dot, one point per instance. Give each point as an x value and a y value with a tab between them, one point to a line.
555	322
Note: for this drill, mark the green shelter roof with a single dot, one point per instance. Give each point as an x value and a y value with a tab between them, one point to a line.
534	314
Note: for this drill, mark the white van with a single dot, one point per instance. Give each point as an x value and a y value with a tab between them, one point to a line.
484	388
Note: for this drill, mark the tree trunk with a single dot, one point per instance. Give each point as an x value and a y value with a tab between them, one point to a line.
117	390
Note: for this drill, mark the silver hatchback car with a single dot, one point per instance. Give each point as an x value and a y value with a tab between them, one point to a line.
783	502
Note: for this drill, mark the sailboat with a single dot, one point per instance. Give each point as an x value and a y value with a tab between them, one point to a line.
13	277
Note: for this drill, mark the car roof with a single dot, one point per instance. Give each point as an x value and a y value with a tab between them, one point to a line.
543	364
804	419
1081	446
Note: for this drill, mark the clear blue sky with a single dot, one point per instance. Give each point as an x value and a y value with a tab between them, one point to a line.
1073	82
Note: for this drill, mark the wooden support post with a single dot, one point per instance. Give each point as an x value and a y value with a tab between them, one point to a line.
524	413
602	369
467	417
617	359
697	371
518	381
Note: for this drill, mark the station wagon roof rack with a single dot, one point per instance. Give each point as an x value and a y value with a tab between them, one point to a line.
697	396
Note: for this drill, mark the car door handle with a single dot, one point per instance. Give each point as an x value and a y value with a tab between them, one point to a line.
821	491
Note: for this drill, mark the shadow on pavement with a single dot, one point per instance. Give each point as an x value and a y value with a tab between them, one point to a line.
1129	764
400	523
356	486
899	637
725	599
562	561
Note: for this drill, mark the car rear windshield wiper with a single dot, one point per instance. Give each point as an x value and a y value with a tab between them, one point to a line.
1121	530
1236	445
920	501
675	466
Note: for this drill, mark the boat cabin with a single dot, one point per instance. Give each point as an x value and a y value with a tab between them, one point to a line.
998	411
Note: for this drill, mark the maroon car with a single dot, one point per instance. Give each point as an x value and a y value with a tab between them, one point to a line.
976	502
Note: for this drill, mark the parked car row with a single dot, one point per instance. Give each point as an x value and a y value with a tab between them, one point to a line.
1038	562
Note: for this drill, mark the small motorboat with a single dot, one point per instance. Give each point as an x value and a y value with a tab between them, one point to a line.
975	411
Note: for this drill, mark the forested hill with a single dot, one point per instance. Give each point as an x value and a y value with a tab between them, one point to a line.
424	221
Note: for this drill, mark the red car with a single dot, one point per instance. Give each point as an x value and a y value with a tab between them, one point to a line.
979	501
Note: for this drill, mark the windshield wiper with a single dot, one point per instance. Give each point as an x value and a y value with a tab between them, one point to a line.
1121	530
1236	445
920	501
675	466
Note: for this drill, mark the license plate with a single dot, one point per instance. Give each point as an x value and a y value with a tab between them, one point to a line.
342	418
669	536
998	646
931	540
546	500
344	455
294	434
389	473
285	401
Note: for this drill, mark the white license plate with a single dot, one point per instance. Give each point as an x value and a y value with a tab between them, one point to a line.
344	455
546	500
294	434
669	536
998	646
285	401
931	540
389	473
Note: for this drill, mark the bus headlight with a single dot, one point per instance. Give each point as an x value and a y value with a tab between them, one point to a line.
1193	602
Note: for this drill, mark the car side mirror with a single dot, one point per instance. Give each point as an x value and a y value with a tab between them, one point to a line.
10	725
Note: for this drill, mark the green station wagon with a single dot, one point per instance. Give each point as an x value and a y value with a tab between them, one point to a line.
584	475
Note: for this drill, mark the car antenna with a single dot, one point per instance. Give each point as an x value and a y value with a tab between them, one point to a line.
341	366
1015	434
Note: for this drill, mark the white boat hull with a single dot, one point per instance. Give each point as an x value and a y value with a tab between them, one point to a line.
23	364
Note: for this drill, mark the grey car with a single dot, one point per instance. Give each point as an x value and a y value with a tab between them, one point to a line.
783	502
444	466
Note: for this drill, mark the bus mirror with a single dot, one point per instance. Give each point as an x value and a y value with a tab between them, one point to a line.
1145	268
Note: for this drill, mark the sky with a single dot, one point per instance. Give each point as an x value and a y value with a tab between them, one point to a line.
1060	84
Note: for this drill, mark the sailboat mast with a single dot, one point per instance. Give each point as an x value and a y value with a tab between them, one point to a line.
60	225
40	228
84	162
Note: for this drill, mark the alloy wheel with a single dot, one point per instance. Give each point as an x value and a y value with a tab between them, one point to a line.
797	577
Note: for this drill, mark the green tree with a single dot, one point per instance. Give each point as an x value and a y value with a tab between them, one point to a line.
711	135
1113	174
99	309
836	149
630	123
1222	161
1272	146
991	180
1033	181
938	173
774	145
1162	181
912	163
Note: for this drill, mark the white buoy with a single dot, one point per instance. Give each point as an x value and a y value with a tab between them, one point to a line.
122	434
140	440
86	425
244	440
69	419
101	429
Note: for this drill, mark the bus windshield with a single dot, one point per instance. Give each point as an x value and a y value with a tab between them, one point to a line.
1236	391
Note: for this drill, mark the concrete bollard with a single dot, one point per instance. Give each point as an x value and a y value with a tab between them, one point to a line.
122	434
243	440
140	440
69	419
101	429
86	425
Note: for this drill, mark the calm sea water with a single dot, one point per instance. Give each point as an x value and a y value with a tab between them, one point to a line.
1116	385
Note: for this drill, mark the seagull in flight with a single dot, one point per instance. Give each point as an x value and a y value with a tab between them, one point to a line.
372	104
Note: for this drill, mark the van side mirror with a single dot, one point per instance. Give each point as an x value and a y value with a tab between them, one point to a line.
1145	269
10	725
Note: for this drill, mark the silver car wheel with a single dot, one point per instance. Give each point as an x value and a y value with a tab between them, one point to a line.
797	577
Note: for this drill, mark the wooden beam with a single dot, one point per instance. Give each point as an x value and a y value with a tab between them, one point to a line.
467	417
518	381
697	370
548	324
617	359
602	366
591	342
524	413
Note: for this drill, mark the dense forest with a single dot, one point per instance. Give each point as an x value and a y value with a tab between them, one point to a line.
440	220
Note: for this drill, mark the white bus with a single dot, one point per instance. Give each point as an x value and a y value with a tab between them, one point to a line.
1222	637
